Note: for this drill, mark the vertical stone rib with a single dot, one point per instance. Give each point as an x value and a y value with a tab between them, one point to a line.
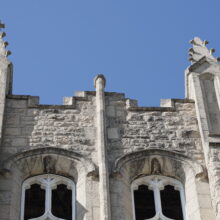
101	145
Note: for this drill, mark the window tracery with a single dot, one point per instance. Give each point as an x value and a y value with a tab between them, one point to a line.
158	198
48	197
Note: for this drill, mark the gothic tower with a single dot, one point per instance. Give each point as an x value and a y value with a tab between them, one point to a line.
100	156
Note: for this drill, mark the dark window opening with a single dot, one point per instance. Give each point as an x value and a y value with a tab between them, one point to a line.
171	203
144	203
34	202
62	202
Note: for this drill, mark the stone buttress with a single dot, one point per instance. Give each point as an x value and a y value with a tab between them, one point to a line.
203	86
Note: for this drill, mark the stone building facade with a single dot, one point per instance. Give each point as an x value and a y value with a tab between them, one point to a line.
103	146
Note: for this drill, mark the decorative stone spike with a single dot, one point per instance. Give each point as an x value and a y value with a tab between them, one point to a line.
212	50
191	41
205	42
2	34
2	25
6	43
3	44
200	50
191	50
191	59
8	52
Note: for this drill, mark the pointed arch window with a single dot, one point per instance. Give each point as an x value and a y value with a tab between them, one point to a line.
48	197
158	198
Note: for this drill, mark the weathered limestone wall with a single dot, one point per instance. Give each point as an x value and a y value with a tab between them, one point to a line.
69	127
33	133
137	128
135	136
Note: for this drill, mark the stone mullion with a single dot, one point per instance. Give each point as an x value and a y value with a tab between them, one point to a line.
48	199
157	199
73	202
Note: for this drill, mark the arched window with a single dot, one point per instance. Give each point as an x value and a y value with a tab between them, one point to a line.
158	198
48	197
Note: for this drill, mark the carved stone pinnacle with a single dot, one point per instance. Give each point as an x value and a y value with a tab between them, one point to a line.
6	43
8	53
205	42
2	34
199	50
212	50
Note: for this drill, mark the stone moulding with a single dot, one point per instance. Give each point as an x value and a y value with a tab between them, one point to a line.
89	166
199	169
198	64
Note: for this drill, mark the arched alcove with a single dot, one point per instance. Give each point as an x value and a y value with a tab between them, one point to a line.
49	161
136	165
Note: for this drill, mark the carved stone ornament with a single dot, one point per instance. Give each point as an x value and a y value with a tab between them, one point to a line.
3	44
200	50
155	166
49	164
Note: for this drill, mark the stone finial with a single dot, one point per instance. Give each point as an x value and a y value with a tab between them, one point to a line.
3	44
102	78
199	50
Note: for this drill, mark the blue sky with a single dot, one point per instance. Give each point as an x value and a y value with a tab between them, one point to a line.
58	46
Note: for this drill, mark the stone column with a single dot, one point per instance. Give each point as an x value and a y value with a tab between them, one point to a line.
105	213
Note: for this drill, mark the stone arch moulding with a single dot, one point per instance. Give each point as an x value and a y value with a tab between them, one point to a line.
198	169
47	155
